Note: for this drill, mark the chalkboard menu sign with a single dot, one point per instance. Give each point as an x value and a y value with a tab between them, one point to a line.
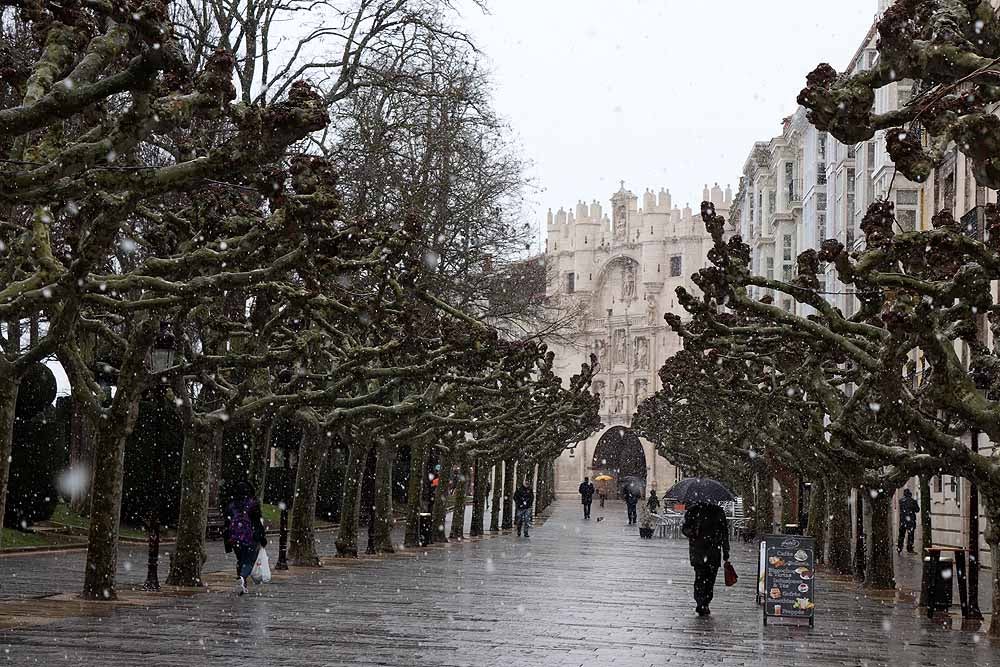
788	563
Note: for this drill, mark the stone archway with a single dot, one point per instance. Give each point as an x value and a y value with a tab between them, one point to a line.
619	453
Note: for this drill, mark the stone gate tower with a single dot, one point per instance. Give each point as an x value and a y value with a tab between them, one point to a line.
622	272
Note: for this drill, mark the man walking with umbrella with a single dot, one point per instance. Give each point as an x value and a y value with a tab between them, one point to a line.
707	530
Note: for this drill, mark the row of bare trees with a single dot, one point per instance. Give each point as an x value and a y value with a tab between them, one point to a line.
871	399
320	220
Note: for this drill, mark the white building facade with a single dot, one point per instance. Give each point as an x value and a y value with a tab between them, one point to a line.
620	272
803	186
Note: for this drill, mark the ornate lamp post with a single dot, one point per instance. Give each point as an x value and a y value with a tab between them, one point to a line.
286	499
161	357
287	445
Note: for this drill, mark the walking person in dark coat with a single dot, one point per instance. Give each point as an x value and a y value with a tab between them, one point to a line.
524	500
586	496
908	508
707	530
653	502
631	500
244	531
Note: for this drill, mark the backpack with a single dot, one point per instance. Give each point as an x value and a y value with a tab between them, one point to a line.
240	525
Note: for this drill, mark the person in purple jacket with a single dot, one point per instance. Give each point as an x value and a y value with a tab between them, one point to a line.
244	531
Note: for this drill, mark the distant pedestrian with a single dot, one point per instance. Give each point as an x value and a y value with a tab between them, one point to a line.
653	503
631	500
524	500
603	493
244	531
908	508
586	496
707	530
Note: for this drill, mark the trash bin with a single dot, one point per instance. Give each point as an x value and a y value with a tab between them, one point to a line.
424	528
791	529
943	593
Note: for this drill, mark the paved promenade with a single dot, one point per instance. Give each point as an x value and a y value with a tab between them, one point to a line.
575	593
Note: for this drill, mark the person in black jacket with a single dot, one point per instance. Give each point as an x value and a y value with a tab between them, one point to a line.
586	496
707	530
524	499
631	500
653	502
908	508
244	531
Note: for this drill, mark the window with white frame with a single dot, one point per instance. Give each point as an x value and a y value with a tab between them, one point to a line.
786	247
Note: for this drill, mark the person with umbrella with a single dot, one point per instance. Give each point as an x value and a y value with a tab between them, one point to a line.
602	488
707	530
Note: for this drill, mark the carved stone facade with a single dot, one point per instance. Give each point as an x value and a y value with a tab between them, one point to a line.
624	273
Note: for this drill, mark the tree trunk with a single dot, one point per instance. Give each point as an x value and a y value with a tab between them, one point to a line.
8	405
192	519
83	428
839	558
109	465
415	493
532	476
789	502
993	539
508	495
440	509
550	485
926	523
764	509
347	535
215	474
524	470
261	455
106	504
302	533
382	517
480	472
458	513
818	518
542	492
879	571
497	500
860	547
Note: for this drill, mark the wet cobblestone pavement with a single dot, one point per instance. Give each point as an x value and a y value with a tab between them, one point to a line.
575	593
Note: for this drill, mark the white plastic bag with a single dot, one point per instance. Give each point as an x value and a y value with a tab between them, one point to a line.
261	572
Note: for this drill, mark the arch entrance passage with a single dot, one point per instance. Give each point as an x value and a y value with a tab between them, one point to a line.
619	454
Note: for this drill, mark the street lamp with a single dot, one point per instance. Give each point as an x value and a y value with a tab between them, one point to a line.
286	500
285	438
161	357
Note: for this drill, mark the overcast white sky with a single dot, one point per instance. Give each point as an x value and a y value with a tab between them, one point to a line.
658	93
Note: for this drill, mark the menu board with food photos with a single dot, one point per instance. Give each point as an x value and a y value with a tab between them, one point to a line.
788	564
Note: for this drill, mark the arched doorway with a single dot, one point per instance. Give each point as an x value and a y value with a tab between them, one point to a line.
619	454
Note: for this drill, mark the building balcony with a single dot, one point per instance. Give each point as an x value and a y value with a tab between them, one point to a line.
793	193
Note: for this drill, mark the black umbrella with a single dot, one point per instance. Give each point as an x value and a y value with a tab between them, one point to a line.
700	490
